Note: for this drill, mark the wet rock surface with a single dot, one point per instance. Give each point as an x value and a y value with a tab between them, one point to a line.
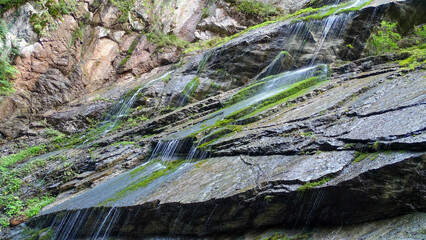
344	151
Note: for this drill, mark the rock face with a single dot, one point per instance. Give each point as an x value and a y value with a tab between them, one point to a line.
270	139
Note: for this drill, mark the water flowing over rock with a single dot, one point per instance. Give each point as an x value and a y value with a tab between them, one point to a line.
285	131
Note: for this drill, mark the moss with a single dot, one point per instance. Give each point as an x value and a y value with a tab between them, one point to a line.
315	14
360	156
140	169
191	87
281	236
245	93
331	10
130	51
417	57
277	98
123	143
256	8
145	181
134	121
310	185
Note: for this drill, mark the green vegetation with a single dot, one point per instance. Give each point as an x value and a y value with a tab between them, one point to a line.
385	40
7	71
221	131
278	98
36	204
245	93
99	98
123	143
417	58
314	14
49	11
125	8
27	153
326	11
7	4
140	168
162	40
143	182
133	121
38	234
359	156
280	236
11	199
256	8
191	87
310	185
420	34
130	51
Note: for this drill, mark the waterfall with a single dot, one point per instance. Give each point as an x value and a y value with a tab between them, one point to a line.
118	112
132	187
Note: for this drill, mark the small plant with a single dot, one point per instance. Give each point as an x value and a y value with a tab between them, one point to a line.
385	40
205	12
256	8
50	10
162	40
36	204
7	71
125	8
350	46
420	33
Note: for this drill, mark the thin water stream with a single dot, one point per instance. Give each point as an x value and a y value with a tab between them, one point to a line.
116	193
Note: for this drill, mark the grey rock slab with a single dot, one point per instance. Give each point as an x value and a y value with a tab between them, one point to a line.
226	176
386	126
392	94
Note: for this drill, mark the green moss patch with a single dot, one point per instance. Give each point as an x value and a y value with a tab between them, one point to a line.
145	181
310	185
277	98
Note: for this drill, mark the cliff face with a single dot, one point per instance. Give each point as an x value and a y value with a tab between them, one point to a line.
286	125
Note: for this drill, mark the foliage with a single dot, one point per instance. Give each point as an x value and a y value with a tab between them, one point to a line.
420	33
27	153
385	40
36	204
125	8
57	136
50	10
161	40
256	8
133	121
359	156
7	71
7	4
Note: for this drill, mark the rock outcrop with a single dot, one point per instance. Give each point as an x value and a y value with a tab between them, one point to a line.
253	138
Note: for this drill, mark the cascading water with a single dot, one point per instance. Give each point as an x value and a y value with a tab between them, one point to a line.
118	112
133	186
123	107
